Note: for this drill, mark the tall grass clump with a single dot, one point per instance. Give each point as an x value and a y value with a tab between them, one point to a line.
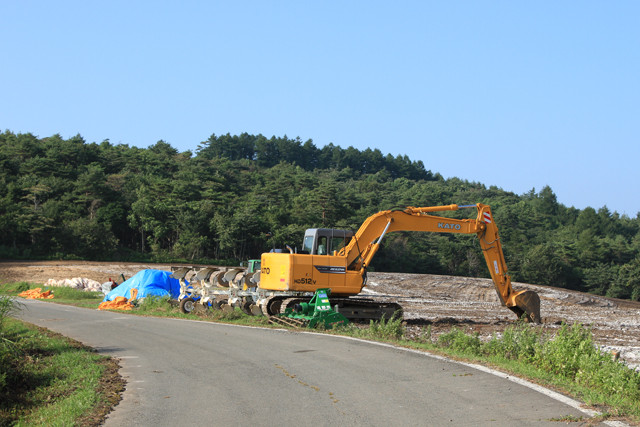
383	330
8	307
520	342
392	329
459	342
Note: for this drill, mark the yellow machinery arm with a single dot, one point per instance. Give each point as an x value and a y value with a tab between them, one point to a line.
366	242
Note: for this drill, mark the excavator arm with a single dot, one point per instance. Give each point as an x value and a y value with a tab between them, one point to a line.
367	239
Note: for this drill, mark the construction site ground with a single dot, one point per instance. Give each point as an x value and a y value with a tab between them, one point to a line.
441	302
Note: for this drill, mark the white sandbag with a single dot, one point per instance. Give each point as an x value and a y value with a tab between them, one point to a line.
54	283
76	283
92	286
106	287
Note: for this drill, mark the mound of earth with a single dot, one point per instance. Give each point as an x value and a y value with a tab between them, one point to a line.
442	302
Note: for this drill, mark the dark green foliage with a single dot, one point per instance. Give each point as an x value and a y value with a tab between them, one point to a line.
239	196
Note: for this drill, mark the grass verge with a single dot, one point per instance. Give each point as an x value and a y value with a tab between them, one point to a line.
48	379
568	361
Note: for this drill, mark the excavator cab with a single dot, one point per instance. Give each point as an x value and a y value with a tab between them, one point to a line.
325	241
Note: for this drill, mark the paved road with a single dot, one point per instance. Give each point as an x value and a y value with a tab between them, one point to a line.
195	374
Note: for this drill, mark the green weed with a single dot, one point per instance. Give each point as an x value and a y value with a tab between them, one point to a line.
519	342
71	294
15	288
154	304
384	330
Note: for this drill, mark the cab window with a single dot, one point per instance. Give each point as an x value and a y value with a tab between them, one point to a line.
322	246
307	245
338	243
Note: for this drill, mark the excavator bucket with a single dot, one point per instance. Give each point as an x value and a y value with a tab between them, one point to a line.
527	303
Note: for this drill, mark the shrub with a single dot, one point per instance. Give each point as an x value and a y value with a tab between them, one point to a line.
519	343
567	351
458	341
392	329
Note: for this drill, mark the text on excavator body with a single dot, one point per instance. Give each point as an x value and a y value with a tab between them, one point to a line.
449	226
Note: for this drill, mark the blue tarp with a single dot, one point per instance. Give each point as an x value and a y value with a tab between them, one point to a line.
148	282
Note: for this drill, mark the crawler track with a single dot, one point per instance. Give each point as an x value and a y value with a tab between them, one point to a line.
354	309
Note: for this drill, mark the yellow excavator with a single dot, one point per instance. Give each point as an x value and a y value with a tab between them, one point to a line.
337	261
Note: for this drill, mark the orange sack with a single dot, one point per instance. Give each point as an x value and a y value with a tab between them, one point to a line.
36	294
119	303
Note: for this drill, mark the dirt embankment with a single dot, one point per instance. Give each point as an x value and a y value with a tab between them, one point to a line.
440	301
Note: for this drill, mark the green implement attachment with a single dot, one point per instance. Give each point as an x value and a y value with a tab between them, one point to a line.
313	314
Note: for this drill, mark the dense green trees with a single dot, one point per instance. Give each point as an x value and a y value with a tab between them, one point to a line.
238	196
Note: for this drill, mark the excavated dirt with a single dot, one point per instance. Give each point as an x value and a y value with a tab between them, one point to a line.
443	302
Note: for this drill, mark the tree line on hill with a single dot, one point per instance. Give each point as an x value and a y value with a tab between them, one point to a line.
240	195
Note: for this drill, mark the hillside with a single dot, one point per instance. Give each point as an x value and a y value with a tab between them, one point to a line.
239	196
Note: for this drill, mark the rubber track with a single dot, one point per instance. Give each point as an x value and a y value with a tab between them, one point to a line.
345	305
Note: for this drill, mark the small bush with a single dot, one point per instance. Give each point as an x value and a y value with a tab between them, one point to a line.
392	329
457	340
517	343
567	351
155	303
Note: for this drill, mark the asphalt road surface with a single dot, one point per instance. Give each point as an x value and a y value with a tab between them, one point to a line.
194	373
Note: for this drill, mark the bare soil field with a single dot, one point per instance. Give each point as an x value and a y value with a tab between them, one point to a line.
443	302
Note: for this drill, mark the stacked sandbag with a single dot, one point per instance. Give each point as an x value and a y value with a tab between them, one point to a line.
76	283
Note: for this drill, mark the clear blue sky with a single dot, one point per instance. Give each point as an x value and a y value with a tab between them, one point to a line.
512	94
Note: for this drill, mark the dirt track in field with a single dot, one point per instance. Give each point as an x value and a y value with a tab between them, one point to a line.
440	301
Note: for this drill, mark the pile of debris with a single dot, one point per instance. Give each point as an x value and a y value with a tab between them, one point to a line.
76	283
